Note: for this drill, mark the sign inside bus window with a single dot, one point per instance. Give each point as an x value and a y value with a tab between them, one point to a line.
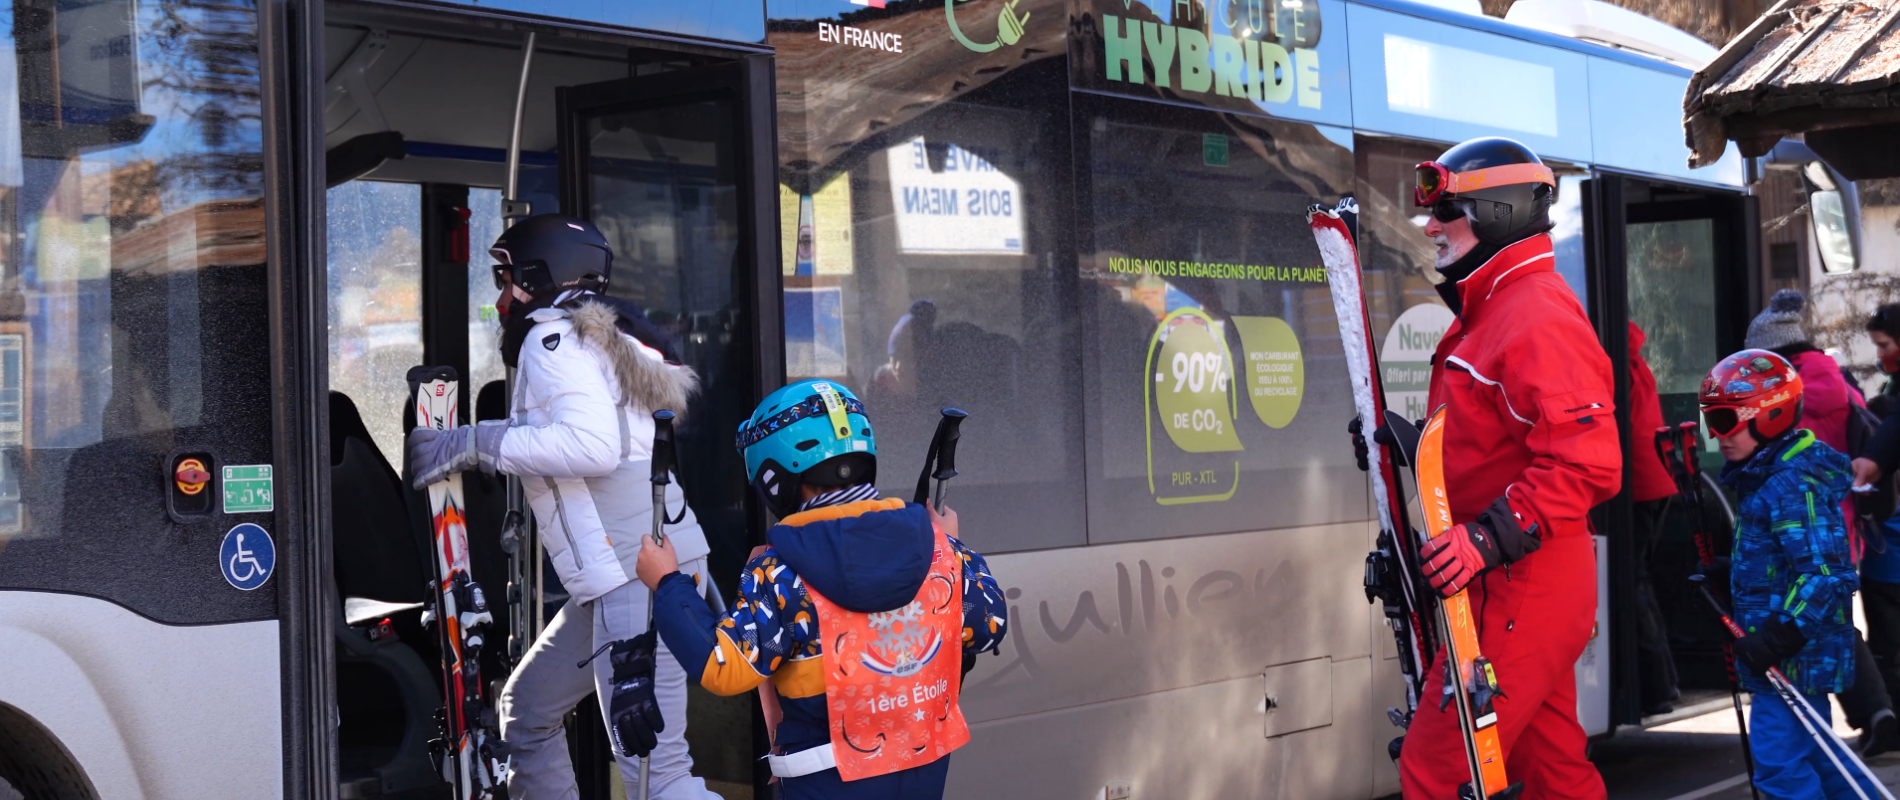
1194	382
1250	50
952	199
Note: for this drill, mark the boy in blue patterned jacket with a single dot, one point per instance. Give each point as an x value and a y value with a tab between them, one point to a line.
863	612
1791	576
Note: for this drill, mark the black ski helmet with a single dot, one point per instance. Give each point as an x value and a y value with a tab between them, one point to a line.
1510	204
548	253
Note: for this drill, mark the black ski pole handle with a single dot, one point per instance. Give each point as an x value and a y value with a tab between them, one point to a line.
662	468
1702	585
940	463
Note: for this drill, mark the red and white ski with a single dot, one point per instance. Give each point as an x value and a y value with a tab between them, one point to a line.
470	754
1392	569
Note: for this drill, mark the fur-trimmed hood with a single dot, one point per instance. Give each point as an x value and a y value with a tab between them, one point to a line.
644	379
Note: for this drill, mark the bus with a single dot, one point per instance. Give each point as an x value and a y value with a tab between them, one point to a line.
228	228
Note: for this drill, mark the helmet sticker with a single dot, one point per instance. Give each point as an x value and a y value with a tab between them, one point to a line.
834	408
1761	365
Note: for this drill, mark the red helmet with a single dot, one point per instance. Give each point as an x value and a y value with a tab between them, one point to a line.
1753	388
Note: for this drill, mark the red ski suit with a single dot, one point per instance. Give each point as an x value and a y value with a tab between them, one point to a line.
1528	391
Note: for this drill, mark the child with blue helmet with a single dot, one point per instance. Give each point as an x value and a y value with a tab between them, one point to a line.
857	610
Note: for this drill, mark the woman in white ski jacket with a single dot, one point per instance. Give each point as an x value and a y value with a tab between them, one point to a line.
579	436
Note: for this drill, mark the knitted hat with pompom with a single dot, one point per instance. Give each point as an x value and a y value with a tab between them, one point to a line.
1779	325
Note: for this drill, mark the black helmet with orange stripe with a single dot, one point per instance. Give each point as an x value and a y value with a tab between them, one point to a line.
1501	185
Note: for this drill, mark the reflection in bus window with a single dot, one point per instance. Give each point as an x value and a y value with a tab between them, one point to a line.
921	268
1394	251
484	326
376	301
1566	235
133	306
1213	355
1672	298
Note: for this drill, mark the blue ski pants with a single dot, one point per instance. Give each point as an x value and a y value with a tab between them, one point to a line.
1789	762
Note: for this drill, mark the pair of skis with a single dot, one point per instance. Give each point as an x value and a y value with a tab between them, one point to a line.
1392	571
1676	448
470	754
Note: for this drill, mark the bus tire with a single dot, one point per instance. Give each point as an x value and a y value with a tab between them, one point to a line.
35	763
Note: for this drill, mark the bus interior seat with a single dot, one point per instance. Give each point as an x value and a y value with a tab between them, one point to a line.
386	692
491	403
377	554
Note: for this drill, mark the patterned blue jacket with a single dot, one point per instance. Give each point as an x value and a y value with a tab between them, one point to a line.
867	555
1791	557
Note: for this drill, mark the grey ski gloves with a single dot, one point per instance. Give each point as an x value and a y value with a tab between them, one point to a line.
434	455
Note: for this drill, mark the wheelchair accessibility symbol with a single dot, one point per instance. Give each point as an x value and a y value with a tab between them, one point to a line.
247	557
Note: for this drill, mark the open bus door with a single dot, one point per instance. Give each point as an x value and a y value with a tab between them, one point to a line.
678	171
1682	264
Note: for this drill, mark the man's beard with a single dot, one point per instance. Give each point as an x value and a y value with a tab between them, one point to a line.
1445	253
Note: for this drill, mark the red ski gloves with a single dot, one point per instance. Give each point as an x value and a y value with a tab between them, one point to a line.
1466	551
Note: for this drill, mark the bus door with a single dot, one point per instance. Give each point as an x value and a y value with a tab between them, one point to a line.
142	548
678	171
1677	265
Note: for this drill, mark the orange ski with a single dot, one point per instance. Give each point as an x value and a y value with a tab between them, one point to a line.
1476	684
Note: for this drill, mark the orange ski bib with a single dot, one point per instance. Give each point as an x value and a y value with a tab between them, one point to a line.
891	678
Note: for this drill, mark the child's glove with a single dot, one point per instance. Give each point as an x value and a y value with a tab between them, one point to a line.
1776	641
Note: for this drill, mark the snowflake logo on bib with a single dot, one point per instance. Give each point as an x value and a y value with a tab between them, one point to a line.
904	644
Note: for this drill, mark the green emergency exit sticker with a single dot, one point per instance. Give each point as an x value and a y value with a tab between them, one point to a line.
1214	149
247	489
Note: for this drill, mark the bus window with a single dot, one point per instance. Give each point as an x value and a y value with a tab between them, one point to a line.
1566	235
133	305
376	301
1393	248
1672	299
922	268
484	327
1213	352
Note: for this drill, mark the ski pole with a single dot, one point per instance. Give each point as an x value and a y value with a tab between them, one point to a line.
940	462
1836	739
1805	713
1676	447
662	467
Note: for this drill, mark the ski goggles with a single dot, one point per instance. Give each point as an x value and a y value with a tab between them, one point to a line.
1452	209
813	406
1727	420
1433	181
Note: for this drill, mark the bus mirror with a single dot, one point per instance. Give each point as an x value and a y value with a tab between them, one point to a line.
1828	210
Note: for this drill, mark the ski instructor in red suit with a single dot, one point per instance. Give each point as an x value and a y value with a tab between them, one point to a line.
1530	446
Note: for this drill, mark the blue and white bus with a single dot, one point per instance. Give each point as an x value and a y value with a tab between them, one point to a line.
228	228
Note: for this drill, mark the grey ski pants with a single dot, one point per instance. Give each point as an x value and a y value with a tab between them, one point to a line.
546	685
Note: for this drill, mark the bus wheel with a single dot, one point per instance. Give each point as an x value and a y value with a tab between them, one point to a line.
34	764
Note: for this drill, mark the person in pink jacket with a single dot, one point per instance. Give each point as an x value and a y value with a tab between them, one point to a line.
1829	396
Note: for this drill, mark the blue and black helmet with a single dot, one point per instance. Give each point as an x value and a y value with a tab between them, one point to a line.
808	432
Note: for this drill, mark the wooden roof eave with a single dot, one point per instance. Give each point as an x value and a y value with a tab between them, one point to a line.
1702	132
